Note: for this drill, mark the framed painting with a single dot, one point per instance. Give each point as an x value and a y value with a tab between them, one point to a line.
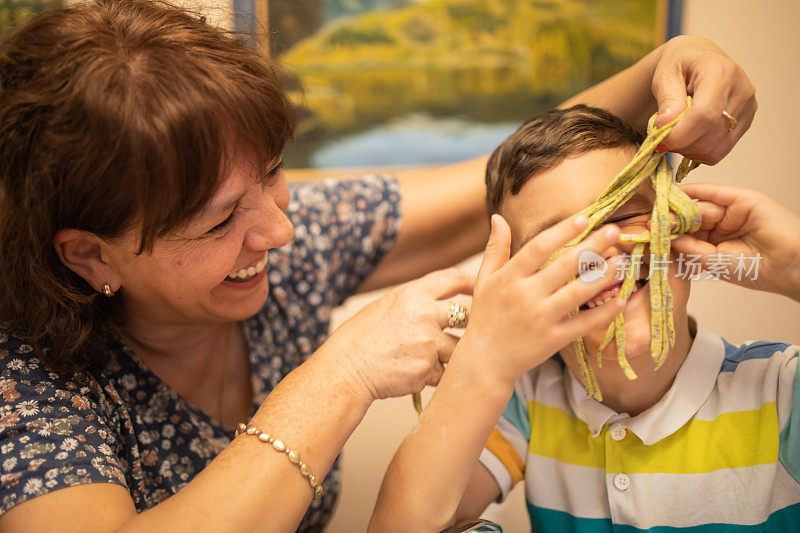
15	12
396	82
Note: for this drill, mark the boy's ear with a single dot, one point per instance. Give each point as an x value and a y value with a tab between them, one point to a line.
86	254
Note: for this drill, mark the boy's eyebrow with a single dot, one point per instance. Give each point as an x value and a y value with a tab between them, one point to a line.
638	200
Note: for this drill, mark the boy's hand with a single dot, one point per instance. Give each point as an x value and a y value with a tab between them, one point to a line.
739	221
697	66
519	315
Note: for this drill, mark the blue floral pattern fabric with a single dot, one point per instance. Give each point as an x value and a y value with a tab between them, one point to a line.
123	425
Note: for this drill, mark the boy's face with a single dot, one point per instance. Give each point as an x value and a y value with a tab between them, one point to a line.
560	192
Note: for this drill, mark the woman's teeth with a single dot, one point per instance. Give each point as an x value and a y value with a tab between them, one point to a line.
246	273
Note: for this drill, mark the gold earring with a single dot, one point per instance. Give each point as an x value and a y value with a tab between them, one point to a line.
107	292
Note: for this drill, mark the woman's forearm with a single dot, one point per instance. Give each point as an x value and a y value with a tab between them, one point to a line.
444	221
249	485
429	473
627	94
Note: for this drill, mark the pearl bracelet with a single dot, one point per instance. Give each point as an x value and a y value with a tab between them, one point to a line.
294	458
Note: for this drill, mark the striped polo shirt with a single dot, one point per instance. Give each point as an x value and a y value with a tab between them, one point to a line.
719	452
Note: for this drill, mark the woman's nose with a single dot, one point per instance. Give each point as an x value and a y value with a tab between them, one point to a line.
270	228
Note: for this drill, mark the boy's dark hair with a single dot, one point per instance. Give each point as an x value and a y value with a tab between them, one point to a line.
548	139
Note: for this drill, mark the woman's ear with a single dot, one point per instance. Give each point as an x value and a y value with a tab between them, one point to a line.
87	255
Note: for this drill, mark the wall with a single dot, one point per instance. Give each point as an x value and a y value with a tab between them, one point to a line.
763	38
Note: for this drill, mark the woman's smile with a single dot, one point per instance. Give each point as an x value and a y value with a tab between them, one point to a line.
247	278
245	273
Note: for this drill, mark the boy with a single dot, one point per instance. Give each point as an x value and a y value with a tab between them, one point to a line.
709	441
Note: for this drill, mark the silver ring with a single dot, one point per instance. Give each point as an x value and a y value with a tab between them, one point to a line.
457	316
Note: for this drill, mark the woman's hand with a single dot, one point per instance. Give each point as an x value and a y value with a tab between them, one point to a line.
396	345
698	67
662	79
739	221
520	308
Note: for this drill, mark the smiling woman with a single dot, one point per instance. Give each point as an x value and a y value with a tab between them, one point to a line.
150	299
147	109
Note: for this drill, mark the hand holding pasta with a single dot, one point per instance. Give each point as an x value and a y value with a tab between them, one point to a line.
743	223
652	165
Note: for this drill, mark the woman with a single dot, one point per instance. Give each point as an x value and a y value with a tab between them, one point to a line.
142	199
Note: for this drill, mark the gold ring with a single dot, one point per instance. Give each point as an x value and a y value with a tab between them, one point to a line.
731	119
457	316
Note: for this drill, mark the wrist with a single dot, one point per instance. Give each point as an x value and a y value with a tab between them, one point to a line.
477	361
348	382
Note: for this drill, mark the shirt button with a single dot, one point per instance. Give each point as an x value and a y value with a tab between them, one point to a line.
622	482
618	432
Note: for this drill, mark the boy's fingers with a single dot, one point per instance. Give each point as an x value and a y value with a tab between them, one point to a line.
498	249
710	213
580	291
691	245
535	253
673	221
591	319
712	192
705	248
578	258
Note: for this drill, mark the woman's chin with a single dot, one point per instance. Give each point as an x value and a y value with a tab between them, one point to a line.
242	307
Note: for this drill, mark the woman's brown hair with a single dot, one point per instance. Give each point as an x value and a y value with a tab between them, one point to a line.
115	115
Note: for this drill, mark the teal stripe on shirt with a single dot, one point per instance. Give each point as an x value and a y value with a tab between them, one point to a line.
516	412
789	443
550	521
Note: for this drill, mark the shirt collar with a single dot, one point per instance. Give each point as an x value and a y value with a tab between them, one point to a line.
693	384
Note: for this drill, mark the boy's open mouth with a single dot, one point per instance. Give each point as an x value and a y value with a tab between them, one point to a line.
612	292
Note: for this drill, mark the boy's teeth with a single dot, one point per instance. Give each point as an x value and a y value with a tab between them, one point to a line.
604	297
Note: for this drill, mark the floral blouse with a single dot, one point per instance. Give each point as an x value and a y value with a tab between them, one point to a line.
123	425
